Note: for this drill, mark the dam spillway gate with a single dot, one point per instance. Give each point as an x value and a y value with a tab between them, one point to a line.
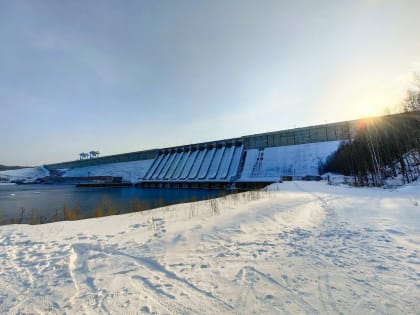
214	165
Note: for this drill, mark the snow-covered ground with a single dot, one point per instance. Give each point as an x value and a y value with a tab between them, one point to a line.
26	173
129	171
302	247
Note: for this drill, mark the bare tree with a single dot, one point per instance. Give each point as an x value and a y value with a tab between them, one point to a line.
412	101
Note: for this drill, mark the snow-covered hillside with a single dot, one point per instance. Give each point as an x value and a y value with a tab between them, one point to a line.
302	247
129	171
26	173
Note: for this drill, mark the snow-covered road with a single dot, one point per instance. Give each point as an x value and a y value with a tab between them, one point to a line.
306	248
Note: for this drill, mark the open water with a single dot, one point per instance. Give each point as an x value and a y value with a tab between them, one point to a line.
45	203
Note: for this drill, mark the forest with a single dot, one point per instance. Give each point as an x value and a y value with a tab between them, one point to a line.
384	147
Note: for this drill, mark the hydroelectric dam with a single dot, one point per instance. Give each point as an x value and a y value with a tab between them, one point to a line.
247	161
244	162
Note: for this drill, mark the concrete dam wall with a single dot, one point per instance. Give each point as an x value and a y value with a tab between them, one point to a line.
260	158
321	133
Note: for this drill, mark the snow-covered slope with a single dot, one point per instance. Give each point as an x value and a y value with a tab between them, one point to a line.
130	171
302	247
27	173
293	160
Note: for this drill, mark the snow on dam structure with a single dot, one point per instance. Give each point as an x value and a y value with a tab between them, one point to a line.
260	158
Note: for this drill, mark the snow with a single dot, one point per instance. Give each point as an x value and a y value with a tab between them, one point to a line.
298	247
26	173
129	171
293	160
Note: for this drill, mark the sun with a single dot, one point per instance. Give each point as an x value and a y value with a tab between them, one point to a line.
366	111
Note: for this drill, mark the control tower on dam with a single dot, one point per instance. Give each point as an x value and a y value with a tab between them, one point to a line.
251	160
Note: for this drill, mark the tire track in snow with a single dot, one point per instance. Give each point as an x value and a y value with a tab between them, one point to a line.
156	267
78	268
370	260
324	289
293	295
72	267
152	267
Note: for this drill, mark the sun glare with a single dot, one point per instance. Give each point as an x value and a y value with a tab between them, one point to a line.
366	111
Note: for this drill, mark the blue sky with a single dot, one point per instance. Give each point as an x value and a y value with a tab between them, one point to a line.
119	76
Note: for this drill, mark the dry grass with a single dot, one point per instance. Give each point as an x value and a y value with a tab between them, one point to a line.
71	214
107	207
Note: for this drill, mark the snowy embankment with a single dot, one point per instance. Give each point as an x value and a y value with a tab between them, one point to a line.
302	247
129	171
30	173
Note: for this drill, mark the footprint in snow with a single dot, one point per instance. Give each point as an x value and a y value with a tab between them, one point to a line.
395	232
145	310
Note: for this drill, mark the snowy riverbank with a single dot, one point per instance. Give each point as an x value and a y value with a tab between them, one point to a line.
30	173
305	248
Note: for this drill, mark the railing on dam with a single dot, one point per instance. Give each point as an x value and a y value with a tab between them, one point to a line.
196	163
